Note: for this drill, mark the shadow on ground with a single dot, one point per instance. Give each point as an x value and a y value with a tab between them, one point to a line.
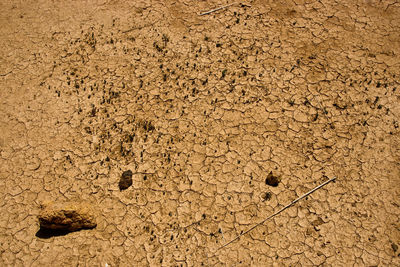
45	233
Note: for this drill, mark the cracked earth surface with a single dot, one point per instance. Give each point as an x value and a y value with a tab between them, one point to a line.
201	109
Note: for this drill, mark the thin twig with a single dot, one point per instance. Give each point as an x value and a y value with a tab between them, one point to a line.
276	213
215	9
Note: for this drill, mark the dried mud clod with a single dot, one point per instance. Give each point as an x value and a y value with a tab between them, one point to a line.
68	216
266	196
126	180
272	180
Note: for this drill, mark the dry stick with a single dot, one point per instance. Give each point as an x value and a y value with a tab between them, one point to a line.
276	213
215	9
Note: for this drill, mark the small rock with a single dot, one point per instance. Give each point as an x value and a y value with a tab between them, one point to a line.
70	216
126	180
272	180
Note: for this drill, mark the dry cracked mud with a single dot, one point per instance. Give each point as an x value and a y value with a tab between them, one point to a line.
201	109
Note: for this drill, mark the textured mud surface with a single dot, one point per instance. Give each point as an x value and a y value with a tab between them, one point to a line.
201	109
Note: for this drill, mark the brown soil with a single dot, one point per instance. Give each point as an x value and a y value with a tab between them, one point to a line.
201	109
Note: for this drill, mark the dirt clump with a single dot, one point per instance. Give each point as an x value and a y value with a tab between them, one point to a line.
266	196
272	180
126	180
69	216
